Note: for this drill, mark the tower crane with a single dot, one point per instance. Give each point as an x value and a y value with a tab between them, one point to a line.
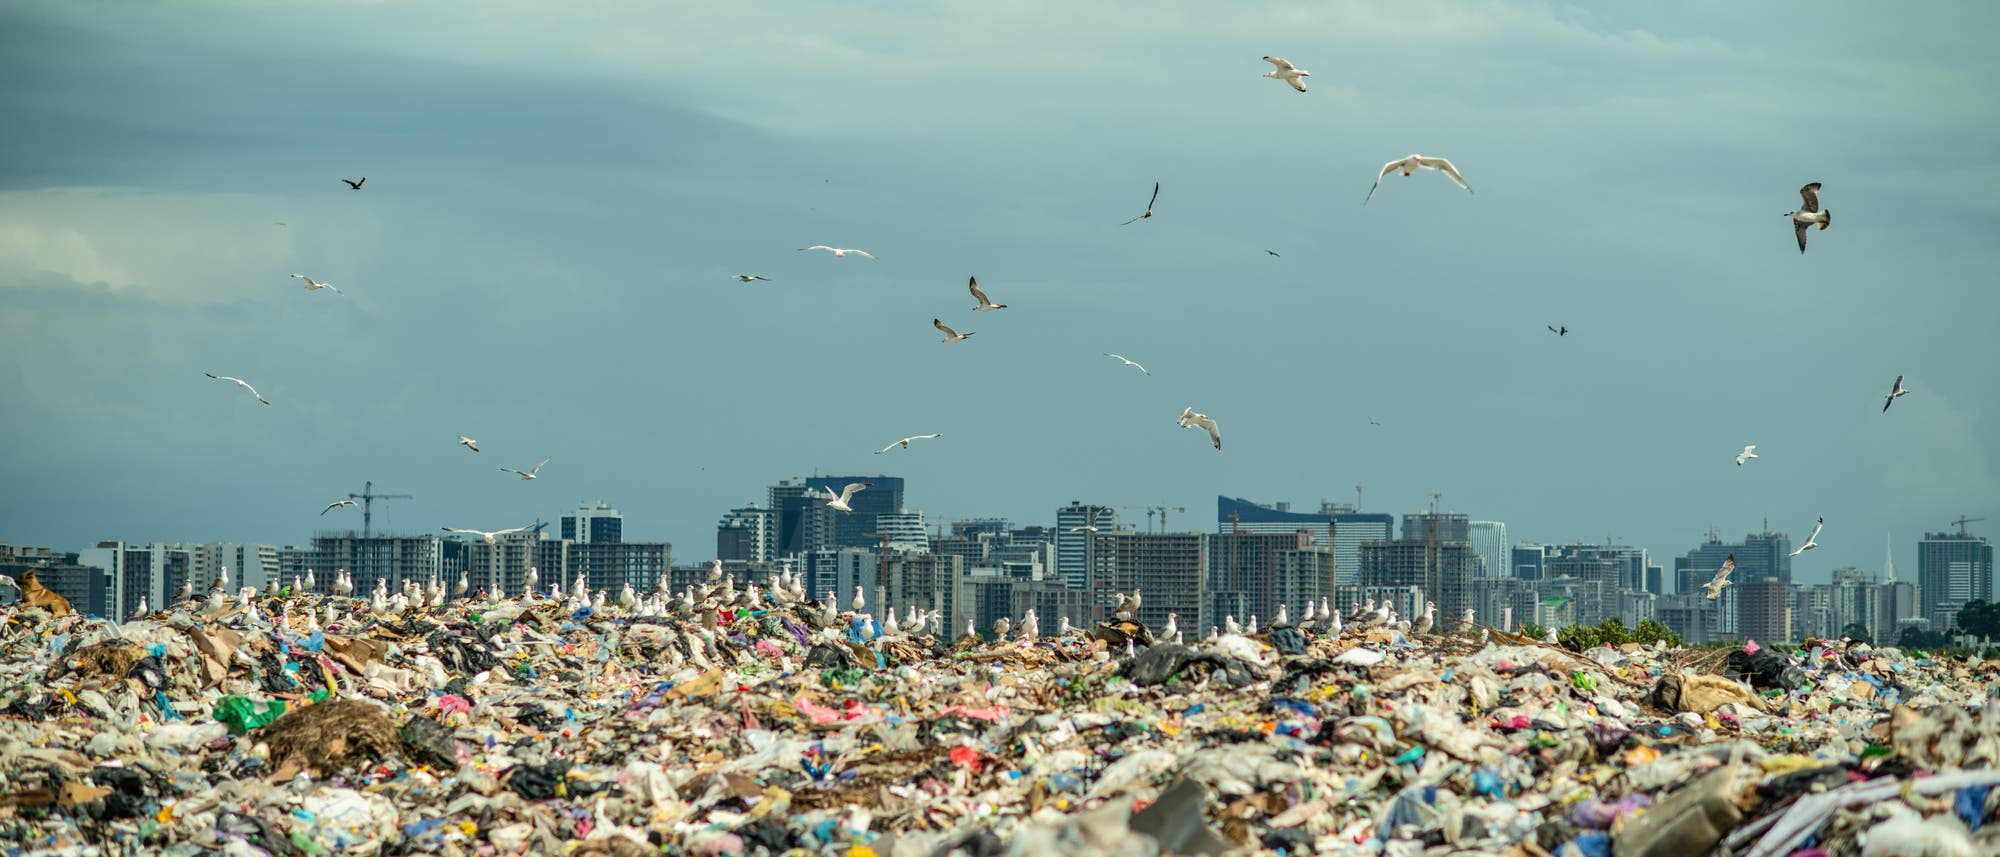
368	498
1154	510
1962	521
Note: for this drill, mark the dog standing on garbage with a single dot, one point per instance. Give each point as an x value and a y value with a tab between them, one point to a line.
34	594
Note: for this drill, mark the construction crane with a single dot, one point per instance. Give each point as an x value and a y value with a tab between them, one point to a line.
368	498
1962	521
1154	510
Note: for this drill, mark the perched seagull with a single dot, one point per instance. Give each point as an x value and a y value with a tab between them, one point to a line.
1559	331
468	443
484	535
337	504
1121	358
1549	635
1429	619
1172	628
1149	207
1895	393
1410	165
1809	214
1190	418
1748	453
980	296
1720	581
354	185
1288	73
905	442
1128	606
950	335
244	384
530	474
750	278
313	285
839	252
847	493
1811	541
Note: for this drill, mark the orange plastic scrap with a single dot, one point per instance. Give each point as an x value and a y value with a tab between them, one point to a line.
990	714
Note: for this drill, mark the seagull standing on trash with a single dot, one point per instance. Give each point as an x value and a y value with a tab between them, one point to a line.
1063	628
1334	627
1283	618
1029	624
860	599
1229	624
1429	619
1170	628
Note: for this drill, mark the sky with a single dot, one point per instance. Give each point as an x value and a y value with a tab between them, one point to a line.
558	195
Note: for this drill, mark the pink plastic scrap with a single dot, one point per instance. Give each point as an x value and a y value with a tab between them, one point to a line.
990	714
818	713
1751	647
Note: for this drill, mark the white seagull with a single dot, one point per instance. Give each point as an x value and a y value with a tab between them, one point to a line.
1812	541
1895	393
980	296
839	252
1410	165
1149	207
1121	358
530	474
1190	418
950	335
847	493
1288	73
337	504
313	285
1809	214
1721	579
1748	453
468	443
240	383
905	442
484	535
750	278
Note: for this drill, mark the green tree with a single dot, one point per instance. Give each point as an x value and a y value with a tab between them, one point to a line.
1533	631
1652	630
1613	631
1979	618
1917	638
1857	632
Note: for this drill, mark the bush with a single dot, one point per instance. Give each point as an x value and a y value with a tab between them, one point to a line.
1614	632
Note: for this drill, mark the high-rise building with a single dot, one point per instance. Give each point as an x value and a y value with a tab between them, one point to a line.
1812	611
1169	568
1351	530
135	572
1764	611
927	581
746	535
1489	542
249	565
1246	572
905	531
1528	560
1243	516
1593	574
1690	615
1443	570
1073	539
884	496
377	557
593	522
1953	569
88	588
1506	603
1760	556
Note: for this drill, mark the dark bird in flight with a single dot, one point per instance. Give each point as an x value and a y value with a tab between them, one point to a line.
354	185
1149	207
1559	331
1809	213
1894	393
1272	252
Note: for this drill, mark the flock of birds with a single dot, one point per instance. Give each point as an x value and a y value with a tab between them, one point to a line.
1809	214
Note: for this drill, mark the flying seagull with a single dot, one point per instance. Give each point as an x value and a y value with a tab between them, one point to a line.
1410	165
750	278
1559	331
1715	585
488	537
847	493
1809	214
1748	453
314	285
1288	73
531	473
905	442
1374	422
240	383
951	335
980	296
337	504
1149	207
1894	393
839	252
1121	358
468	443
1812	540
1190	418
1272	252
355	185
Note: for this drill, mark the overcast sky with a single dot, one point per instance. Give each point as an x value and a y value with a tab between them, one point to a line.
558	195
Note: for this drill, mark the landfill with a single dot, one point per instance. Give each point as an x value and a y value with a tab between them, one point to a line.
726	722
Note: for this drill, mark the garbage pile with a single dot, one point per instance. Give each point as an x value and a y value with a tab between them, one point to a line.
724	722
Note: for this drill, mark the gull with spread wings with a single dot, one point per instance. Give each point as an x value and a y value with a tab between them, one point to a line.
1191	419
839	252
1149	207
530	474
1721	579
1812	541
484	535
905	442
847	493
1809	214
951	335
1413	163
240	383
1895	393
980	296
1288	73
313	285
1121	358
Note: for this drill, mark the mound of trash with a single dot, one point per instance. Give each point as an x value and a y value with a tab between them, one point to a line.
765	724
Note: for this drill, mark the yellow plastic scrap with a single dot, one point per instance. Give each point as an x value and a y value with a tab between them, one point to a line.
861	851
1780	765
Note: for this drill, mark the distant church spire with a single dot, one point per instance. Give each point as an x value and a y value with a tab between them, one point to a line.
1889	557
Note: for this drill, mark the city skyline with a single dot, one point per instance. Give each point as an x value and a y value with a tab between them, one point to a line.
544	258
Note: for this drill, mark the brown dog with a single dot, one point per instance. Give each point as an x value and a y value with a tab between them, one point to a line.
34	594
